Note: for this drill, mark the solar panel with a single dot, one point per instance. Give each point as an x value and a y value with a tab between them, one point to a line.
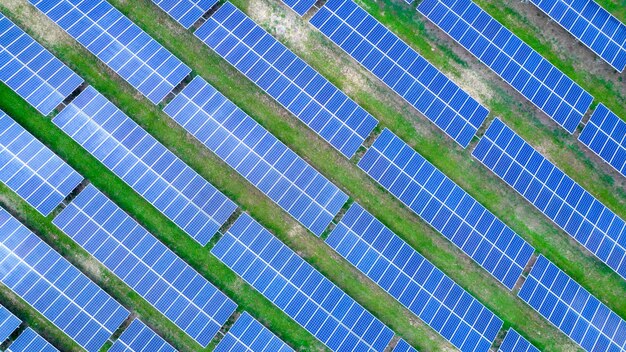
185	12
594	26
257	155
134	255
555	194
401	68
32	71
287	78
145	165
300	6
8	323
412	280
402	346
513	60
605	135
572	309
248	335
514	342
444	205
119	43
302	292
140	338
55	288
32	170
30	341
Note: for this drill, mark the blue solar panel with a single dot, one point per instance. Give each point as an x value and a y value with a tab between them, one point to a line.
513	60
594	26
287	78
30	341
555	194
32	71
119	43
146	165
55	288
412	280
302	292
403	346
248	335
514	342
140	338
300	6
185	12
32	170
8	323
401	68
146	265
257	155
444	205
572	309
605	135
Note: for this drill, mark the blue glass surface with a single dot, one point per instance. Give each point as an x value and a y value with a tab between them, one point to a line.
8	323
605	135
248	335
514	342
140	338
30	341
185	12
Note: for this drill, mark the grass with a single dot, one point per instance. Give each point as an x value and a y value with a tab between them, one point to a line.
393	114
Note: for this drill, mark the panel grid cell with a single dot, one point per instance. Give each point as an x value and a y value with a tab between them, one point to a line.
413	281
605	135
8	323
401	68
403	346
444	205
302	292
555	194
510	58
301	7
287	78
573	310
248	335
257	155
154	172
594	26
55	288
185	12
32	71
140	338
145	264
119	43
514	342
32	170
30	341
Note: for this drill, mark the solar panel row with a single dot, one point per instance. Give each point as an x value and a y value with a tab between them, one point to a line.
140	338
185	12
403	346
513	60
134	255
257	155
554	193
444	205
302	292
32	71
572	309
287	78
248	335
55	288
30	341
300	6
119	43
146	165
401	68
605	135
594	26
8	323
514	342
412	280
32	170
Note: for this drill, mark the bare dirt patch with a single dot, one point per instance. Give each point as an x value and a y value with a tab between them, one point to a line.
281	23
38	23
